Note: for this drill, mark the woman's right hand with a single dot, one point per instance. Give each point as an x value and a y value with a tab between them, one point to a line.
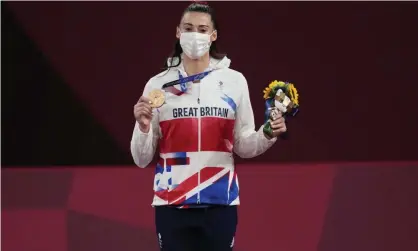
143	113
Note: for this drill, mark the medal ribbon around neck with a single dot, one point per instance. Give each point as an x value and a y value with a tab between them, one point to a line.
182	81
157	97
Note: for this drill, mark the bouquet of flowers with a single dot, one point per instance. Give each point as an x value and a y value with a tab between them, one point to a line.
281	97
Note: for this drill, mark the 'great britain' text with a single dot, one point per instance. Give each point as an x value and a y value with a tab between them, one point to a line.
204	112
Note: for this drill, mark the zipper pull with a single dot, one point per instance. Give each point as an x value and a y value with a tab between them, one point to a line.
198	100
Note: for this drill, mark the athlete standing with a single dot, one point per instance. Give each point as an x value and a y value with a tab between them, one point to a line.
200	125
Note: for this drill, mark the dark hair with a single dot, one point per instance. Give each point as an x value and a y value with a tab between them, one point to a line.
213	51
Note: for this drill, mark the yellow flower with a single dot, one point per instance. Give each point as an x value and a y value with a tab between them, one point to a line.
266	92
294	96
273	84
276	83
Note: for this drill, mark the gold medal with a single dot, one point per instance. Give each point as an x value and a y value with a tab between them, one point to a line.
157	98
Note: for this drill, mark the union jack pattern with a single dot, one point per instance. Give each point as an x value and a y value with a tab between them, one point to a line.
209	185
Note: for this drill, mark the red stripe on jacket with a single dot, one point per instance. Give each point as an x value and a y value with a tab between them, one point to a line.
181	135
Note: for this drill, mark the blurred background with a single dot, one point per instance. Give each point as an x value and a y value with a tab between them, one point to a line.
347	178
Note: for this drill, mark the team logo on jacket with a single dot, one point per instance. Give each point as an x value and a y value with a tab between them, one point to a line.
220	85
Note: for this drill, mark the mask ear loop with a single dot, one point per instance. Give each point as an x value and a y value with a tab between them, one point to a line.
210	35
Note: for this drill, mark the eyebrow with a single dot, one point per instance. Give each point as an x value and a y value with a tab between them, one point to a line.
200	26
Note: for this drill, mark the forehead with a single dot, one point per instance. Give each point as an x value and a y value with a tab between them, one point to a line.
197	19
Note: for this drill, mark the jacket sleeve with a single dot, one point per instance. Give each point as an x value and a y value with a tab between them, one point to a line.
248	143
143	145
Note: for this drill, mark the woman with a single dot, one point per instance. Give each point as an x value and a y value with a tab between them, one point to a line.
198	128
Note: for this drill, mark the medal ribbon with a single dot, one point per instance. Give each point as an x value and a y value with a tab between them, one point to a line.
268	104
182	81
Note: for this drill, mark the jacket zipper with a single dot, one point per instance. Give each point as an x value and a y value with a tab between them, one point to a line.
198	139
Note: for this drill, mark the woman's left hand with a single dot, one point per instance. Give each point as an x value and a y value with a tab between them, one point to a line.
278	125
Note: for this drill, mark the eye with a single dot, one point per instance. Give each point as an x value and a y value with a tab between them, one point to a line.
203	30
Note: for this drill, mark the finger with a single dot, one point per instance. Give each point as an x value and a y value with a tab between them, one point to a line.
278	121
278	126
144	107
144	99
280	130
145	115
143	112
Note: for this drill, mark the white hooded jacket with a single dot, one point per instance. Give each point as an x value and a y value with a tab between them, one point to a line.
197	132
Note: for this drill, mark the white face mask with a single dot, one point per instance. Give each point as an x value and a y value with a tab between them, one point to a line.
195	44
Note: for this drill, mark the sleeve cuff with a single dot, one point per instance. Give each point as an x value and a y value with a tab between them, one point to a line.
142	136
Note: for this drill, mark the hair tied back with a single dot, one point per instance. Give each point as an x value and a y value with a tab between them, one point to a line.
200	2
